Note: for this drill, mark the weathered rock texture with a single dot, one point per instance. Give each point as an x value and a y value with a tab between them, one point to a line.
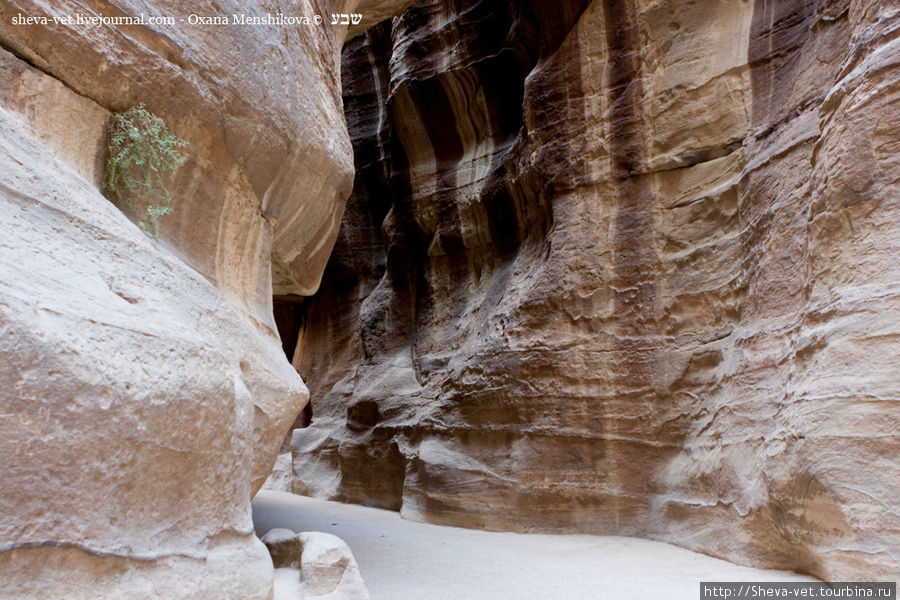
144	387
621	267
261	109
138	404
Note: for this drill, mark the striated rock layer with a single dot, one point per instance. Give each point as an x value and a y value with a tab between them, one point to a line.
145	390
621	267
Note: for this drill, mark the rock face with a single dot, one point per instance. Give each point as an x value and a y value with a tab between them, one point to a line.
620	267
249	176
138	403
145	391
280	479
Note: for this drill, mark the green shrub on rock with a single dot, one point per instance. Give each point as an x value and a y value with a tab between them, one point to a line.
143	157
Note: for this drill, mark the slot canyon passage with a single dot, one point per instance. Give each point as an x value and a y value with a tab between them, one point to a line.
607	267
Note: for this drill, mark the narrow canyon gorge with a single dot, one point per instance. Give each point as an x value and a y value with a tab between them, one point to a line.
607	267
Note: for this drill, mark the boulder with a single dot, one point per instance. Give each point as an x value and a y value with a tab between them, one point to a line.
321	562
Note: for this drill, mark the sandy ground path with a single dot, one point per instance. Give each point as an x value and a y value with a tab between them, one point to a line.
404	560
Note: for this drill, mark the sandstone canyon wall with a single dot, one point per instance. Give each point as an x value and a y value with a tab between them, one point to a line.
621	267
144	387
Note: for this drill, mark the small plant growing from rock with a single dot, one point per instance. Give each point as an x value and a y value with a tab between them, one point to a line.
143	156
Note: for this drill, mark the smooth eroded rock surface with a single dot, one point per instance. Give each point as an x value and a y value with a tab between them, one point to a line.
269	162
136	402
145	390
622	268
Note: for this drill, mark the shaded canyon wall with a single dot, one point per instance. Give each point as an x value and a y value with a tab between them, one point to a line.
623	268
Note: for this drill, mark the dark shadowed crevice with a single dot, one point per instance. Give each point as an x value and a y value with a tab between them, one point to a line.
290	319
290	315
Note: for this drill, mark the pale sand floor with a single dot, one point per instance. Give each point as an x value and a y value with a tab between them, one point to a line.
403	560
